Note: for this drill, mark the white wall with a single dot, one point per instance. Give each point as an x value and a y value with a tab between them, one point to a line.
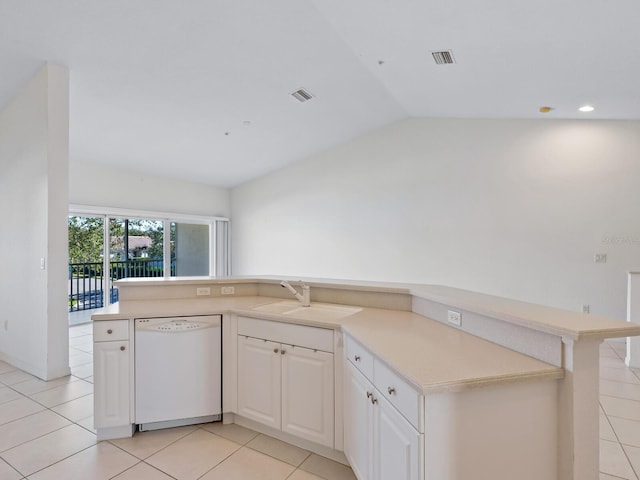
100	185
515	208
34	142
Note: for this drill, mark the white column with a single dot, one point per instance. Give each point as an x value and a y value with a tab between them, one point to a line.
633	315
578	415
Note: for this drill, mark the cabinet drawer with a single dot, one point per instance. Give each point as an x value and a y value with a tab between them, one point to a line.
400	393
359	356
108	330
287	333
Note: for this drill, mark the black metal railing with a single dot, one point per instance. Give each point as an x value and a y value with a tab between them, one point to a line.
87	281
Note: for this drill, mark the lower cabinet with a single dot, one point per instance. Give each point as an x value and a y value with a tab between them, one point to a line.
398	446
111	389
287	387
259	389
379	442
358	422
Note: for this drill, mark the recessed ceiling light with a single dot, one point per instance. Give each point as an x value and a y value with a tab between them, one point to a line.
586	108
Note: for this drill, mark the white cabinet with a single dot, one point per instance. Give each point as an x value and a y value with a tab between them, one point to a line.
259	390
111	365
358	423
284	386
380	443
307	394
398	446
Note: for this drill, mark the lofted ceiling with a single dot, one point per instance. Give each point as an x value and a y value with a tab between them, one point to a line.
200	90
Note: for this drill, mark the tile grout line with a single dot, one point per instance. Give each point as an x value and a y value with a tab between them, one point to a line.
62	459
224	459
615	433
154	453
619	442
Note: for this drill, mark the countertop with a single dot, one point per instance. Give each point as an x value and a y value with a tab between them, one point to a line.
431	356
555	321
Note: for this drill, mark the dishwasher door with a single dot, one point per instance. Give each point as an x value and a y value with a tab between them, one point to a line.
178	371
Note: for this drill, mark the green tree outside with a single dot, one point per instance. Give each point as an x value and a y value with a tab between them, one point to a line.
86	236
85	239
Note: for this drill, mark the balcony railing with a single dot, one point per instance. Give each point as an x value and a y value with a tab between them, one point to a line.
87	281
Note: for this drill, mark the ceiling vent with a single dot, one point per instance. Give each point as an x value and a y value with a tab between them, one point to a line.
443	57
302	95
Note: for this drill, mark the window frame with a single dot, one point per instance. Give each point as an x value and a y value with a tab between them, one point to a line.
219	236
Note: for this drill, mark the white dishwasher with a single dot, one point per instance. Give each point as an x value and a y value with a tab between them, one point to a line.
178	371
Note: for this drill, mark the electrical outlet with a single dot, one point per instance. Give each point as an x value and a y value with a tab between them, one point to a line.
454	317
228	290
203	291
600	258
586	308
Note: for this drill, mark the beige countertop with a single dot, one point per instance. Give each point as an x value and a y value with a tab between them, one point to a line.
431	356
436	357
574	325
555	321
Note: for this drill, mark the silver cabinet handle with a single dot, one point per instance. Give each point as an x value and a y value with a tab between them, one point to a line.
391	390
109	331
122	348
275	350
374	400
357	358
369	394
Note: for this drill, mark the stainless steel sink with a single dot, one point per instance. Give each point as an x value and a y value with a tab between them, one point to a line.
317	311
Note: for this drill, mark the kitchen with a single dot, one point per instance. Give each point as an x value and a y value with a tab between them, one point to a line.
413	359
515	208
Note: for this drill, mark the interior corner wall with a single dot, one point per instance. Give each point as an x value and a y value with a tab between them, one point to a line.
96	184
515	208
34	133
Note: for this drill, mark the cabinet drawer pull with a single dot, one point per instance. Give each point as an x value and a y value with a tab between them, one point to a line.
282	352
275	350
109	331
122	348
357	358
391	390
369	394
374	400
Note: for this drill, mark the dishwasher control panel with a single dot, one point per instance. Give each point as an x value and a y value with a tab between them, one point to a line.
169	325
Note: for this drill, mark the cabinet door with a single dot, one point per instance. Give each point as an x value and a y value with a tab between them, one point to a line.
397	445
307	394
111	390
259	380
358	422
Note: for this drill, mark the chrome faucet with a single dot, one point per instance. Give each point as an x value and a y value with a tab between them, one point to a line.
305	298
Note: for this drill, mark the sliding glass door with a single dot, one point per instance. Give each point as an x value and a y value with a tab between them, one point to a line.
136	249
109	245
190	249
86	263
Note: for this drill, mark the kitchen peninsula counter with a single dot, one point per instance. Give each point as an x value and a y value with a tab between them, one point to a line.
407	327
430	355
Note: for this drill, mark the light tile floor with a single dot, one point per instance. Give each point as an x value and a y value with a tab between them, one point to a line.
46	433
619	415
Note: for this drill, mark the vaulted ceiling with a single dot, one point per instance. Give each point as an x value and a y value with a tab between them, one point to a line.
200	90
